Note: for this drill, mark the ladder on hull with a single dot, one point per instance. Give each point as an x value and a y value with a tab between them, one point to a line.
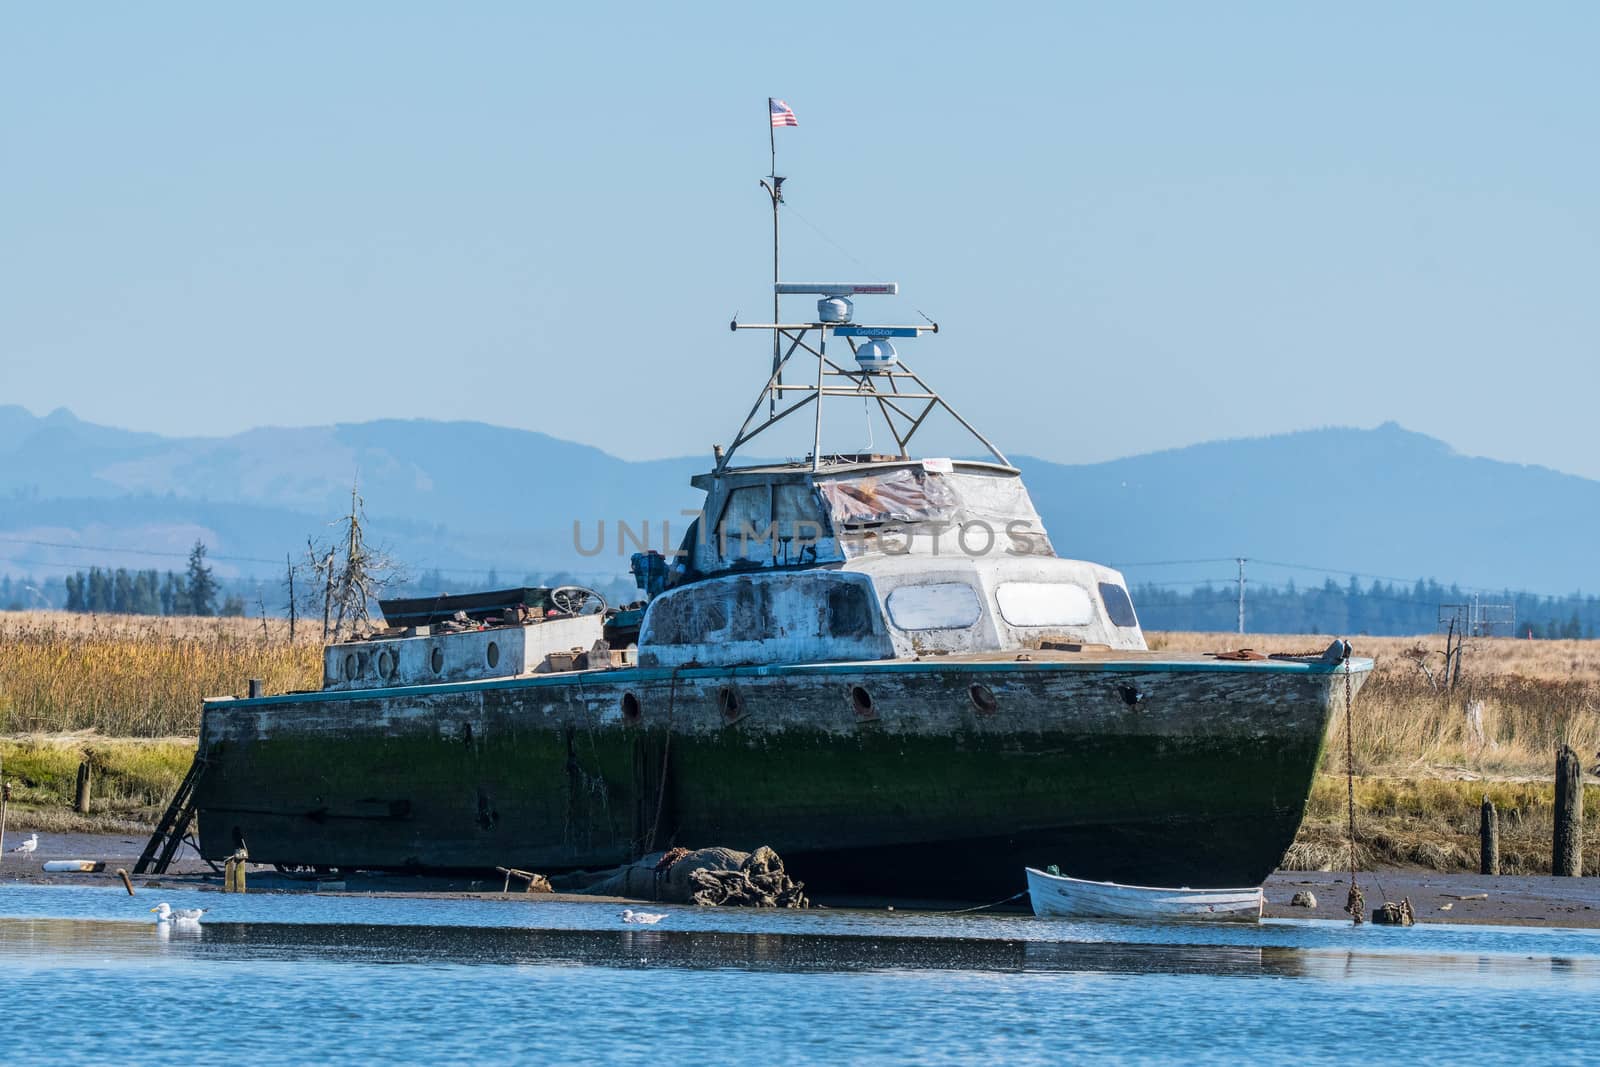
168	837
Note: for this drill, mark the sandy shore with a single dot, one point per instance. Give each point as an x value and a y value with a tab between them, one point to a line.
1508	900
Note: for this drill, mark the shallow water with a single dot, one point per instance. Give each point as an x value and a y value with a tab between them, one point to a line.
288	978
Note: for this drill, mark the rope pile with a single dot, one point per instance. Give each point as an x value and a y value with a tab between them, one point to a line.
760	882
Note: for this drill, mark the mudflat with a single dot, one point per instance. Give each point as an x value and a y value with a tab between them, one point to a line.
1436	897
1503	900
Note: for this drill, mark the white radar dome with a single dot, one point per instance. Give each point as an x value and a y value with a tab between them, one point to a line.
876	356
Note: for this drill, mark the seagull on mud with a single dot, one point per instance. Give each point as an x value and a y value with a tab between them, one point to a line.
647	918
165	913
29	845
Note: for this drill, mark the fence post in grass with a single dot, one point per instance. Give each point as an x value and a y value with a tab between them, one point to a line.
1566	857
81	799
1488	838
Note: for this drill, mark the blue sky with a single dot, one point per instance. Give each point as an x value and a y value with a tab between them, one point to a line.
1140	225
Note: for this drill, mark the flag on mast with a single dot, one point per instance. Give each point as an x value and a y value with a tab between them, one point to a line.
782	114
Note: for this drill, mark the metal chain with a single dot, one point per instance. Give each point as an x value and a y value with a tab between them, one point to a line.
666	752
1355	905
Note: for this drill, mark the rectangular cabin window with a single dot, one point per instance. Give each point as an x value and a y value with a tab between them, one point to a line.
1044	604
797	520
942	606
797	513
745	532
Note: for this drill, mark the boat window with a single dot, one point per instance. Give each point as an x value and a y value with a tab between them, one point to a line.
795	510
850	614
1118	606
943	606
745	529
1045	604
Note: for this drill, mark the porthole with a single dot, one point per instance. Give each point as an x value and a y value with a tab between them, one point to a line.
630	708
861	701
351	671
730	702
386	663
436	661
493	654
983	699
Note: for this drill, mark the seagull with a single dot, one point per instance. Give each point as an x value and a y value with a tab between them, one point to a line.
29	845
166	914
648	918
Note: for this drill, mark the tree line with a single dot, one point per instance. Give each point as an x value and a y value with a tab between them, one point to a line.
148	592
1378	609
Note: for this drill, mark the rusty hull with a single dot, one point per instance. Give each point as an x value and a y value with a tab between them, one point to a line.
892	778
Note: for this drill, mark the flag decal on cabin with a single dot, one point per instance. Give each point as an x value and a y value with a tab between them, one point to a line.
782	114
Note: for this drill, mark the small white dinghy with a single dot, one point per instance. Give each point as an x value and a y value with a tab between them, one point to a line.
1060	896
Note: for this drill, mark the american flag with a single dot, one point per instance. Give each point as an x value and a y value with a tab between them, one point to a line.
782	114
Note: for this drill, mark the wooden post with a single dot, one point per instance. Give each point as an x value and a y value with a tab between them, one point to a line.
81	803
1566	859
1488	838
233	871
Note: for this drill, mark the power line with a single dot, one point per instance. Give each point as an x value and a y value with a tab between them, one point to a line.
131	551
156	553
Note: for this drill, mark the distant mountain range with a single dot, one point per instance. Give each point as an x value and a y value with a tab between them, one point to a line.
465	497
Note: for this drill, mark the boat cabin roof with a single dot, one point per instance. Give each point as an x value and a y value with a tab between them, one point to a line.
800	471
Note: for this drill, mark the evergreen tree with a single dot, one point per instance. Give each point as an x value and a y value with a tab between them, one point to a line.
174	601
99	595
122	592
147	593
200	588
75	590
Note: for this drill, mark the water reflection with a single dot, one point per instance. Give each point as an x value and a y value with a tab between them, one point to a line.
61	939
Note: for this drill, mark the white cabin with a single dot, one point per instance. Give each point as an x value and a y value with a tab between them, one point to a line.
876	559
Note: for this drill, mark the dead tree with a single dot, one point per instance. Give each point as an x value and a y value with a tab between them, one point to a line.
352	574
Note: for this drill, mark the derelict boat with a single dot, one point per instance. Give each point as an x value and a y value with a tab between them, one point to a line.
877	664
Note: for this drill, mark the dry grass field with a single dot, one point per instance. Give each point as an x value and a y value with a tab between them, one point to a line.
136	676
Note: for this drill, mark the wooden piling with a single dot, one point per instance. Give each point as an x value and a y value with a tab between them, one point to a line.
1566	859
81	802
233	872
1488	838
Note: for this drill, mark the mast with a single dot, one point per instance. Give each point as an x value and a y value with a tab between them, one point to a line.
904	400
774	187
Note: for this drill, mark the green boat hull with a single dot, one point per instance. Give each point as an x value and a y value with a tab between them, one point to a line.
929	779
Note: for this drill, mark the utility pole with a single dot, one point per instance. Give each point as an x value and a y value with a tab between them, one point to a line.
1241	561
289	568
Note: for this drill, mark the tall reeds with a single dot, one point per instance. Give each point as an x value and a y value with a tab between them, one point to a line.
127	677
